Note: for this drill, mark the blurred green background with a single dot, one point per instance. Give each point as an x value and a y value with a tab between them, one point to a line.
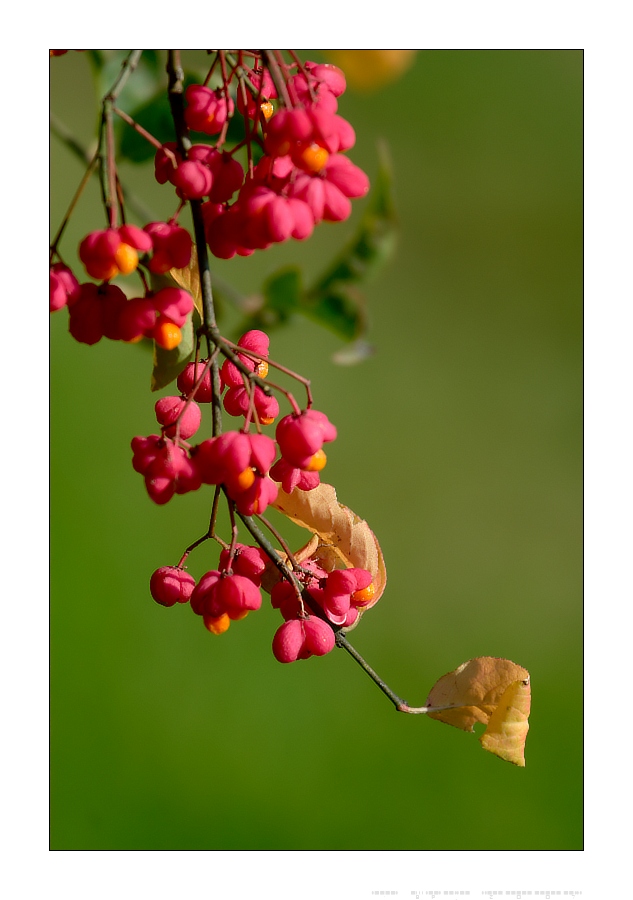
460	441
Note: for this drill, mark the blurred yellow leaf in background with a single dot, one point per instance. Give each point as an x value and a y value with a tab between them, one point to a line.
369	70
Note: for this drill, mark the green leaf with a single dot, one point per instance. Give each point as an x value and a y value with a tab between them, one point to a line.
106	67
168	364
154	115
373	244
283	295
340	308
336	300
280	299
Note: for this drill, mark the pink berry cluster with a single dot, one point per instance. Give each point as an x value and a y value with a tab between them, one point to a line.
233	590
249	464
104	310
302	177
289	173
335	599
293	174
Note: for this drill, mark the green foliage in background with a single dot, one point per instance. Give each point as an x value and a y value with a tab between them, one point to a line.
460	441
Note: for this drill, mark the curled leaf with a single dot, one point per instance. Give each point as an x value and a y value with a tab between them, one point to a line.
490	690
508	725
344	540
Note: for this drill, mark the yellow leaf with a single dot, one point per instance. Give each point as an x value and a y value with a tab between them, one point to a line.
344	539
490	690
189	279
508	725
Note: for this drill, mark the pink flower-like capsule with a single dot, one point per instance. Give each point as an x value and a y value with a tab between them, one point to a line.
339	587
263	83
190	376
203	592
256	341
328	192
305	90
137	319
302	218
274	171
218	593
291	477
283	595
95	313
170	585
255	499
192	180
228	176
237	595
176	413
302	638
265	217
113	251
237	402
247	561
145	450
364	591
330	74
226	233
344	590
64	287
284	598
285	128
165	161
300	437
171	472
167	468
172	247
348	178
173	303
194	177
241	462
222	457
206	110
331	134
211	211
139	316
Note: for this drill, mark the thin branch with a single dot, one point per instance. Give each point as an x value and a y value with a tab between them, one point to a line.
277	76
398	702
270	551
92	167
133	202
176	101
108	161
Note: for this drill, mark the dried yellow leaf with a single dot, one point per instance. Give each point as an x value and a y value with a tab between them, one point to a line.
508	725
490	690
344	539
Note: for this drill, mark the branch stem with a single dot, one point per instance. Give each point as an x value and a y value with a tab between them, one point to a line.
210	329
270	551
398	702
